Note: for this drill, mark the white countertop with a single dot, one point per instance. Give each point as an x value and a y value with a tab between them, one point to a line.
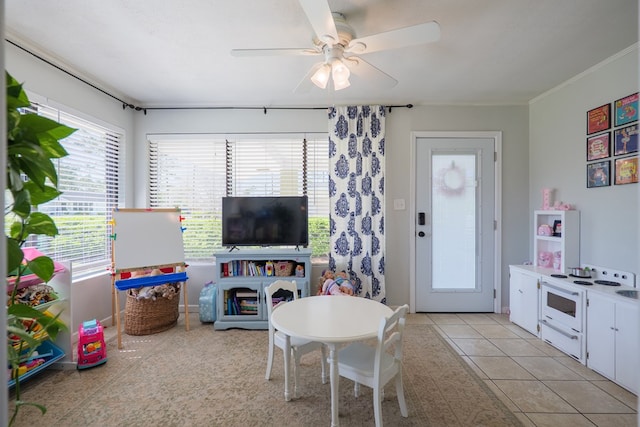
546	273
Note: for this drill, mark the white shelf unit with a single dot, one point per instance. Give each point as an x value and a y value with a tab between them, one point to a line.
63	345
249	287
567	245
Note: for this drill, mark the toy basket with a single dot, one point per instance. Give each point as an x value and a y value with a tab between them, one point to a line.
147	316
283	268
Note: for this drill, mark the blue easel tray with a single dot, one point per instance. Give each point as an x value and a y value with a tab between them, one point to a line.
138	282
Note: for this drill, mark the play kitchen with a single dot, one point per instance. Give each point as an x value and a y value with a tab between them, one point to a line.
589	312
563	303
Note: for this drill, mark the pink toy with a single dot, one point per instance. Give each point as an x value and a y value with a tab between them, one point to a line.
545	259
547	194
92	350
545	230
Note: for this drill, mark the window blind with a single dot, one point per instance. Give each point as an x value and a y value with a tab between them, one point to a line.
195	172
89	178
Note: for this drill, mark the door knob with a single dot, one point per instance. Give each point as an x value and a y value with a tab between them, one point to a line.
421	234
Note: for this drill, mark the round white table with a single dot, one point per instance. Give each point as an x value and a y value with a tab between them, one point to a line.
331	320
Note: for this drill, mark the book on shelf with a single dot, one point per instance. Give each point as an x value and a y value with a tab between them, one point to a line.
247	294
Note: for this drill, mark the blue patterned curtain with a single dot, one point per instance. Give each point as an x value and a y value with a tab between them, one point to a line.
356	196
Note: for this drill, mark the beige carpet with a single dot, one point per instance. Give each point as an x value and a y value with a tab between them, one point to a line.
216	378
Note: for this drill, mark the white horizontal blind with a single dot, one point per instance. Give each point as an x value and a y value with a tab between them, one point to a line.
256	167
236	165
189	174
89	178
317	167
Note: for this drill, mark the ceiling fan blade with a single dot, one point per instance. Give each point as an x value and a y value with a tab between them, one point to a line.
306	84
321	19
370	73
409	36
275	52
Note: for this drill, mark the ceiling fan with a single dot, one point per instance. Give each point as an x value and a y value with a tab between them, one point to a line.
336	40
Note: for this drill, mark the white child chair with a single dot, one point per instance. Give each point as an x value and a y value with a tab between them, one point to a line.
299	346
376	366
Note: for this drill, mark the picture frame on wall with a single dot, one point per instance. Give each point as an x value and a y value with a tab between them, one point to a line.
626	109
599	146
625	140
599	119
626	170
598	174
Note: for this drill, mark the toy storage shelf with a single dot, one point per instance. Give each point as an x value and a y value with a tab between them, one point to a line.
241	279
566	245
58	353
48	351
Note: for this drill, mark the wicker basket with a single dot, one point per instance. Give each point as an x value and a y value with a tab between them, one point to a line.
283	268
147	316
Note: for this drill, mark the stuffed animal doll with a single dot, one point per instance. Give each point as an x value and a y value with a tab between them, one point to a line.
332	284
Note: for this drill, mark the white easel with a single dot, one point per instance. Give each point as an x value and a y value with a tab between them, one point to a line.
146	239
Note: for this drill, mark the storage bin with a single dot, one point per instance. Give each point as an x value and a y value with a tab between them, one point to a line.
207	303
147	316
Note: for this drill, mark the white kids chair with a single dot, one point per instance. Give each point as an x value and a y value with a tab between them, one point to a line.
299	346
376	366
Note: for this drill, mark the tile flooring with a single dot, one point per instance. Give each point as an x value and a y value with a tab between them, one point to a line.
540	384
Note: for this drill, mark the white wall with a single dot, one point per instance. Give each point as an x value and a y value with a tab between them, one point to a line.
557	159
511	120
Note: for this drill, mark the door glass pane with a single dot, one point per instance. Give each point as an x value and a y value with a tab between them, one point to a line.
454	221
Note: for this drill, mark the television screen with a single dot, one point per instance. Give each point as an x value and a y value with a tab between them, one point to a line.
265	221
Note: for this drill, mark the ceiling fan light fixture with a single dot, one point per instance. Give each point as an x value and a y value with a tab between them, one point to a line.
340	74
321	76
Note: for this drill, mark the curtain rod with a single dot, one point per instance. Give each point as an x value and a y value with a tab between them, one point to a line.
126	105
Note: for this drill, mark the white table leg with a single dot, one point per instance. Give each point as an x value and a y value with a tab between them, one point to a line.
333	372
287	357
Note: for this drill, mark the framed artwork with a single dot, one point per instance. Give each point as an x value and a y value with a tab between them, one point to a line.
598	174
625	140
599	119
598	146
626	109
626	170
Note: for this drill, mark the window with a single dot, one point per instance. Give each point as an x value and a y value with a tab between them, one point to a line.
88	178
195	172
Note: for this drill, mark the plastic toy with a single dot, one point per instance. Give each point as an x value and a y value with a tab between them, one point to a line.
92	350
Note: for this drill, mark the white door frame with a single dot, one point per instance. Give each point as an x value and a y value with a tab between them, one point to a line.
497	273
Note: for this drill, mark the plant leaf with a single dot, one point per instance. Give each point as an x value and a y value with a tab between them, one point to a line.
17	232
14	255
39	195
21	203
42	267
42	408
40	223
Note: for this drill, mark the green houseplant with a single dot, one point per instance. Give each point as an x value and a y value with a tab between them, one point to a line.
32	143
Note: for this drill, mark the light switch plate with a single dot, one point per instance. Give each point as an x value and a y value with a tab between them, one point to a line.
398	204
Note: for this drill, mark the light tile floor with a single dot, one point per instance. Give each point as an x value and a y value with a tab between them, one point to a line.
540	384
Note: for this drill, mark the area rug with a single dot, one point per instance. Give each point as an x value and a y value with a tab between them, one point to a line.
205	377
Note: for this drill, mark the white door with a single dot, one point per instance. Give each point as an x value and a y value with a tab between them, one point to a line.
455	216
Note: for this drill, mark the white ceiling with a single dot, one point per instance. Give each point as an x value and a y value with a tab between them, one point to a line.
170	53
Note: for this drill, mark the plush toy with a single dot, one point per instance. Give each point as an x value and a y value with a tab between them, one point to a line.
334	284
545	259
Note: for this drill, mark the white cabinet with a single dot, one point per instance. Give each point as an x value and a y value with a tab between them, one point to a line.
561	249
524	290
612	339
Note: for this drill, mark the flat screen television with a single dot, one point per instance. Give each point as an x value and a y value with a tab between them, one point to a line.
265	221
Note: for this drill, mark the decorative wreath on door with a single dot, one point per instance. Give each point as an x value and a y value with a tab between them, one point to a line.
451	181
